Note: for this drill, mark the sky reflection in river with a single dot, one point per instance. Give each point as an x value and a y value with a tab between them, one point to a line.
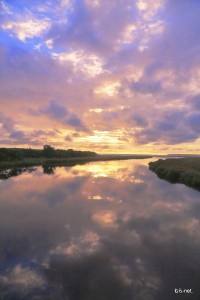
104	230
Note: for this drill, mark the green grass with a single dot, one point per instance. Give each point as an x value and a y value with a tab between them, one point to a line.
181	170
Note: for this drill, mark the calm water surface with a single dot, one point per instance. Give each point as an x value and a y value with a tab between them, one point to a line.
99	231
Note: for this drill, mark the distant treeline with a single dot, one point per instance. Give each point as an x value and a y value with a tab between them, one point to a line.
11	154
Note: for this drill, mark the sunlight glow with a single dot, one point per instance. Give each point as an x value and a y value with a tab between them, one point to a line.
109	89
105	219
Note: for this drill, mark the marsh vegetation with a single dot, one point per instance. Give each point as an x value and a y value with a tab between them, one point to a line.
179	170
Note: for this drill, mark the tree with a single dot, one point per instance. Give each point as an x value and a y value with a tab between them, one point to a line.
48	169
49	151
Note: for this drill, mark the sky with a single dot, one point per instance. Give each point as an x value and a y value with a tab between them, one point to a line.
111	76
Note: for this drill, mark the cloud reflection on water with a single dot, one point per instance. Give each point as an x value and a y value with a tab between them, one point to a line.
135	240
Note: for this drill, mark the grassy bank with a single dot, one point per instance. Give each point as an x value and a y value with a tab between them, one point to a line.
181	170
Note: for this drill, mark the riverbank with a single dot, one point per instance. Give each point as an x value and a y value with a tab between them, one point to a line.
180	170
34	162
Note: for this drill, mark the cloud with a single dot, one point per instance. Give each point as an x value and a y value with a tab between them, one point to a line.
146	87
76	53
194	122
168	128
194	101
27	26
61	114
6	123
182	22
22	279
55	110
90	28
138	120
4	8
89	64
28	137
159	137
74	121
68	139
17	135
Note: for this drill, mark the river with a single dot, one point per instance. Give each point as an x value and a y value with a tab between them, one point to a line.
98	231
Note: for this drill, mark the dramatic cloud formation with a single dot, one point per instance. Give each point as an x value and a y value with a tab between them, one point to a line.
114	76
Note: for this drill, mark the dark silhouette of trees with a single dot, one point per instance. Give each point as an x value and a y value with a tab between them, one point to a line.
16	154
49	151
48	169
